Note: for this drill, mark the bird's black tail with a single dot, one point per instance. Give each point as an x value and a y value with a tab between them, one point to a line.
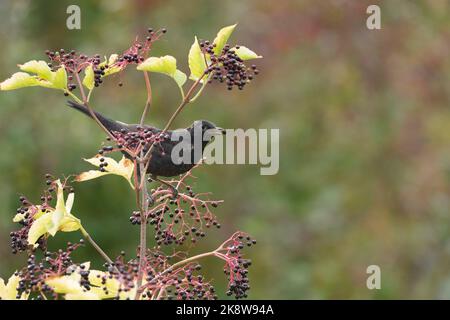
111	125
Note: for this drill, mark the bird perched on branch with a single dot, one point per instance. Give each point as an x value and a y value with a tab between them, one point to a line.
161	162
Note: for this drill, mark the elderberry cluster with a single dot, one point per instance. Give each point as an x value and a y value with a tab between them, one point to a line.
176	220
182	283
228	67
34	275
140	140
27	211
236	267
75	62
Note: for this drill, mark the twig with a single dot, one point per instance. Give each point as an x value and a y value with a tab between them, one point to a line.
149	98
143	205
96	246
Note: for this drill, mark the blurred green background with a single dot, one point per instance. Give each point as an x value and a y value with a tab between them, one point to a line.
365	131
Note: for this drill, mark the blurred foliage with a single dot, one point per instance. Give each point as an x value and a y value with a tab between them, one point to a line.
365	131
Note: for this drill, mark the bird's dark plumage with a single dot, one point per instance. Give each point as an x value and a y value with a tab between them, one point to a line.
161	163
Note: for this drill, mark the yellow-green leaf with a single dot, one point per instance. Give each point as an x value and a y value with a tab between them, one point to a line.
69	223
58	219
60	78
88	80
65	284
245	53
196	60
39	228
60	210
9	291
40	68
123	168
222	37
179	77
19	217
19	80
111	67
166	65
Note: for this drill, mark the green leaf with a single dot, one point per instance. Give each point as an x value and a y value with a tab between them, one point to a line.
88	80
166	65
60	211
122	168
197	63
58	219
9	291
60	79
19	80
222	37
111	67
39	228
245	53
180	77
40	68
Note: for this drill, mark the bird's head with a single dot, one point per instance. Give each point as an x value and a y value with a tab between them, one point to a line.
206	128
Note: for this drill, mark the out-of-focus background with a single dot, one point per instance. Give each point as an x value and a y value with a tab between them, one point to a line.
365	132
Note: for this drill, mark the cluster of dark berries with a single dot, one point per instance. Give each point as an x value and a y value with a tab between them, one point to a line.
228	67
51	264
26	215
236	267
182	283
103	164
180	219
74	63
141	139
135	218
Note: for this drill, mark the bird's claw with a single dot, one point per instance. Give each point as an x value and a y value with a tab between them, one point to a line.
150	199
174	193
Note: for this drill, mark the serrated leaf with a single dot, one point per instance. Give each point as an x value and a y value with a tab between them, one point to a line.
196	59
40	68
88	80
123	168
60	78
19	80
222	37
245	53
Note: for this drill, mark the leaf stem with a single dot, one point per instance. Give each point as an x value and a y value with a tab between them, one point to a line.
95	245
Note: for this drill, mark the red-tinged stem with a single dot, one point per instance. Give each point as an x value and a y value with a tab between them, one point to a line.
149	98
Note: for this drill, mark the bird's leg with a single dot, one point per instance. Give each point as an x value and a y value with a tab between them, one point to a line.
171	187
151	200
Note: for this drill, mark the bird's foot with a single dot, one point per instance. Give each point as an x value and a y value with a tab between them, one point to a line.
150	199
174	193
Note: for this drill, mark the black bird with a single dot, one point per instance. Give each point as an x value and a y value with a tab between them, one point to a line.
161	163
